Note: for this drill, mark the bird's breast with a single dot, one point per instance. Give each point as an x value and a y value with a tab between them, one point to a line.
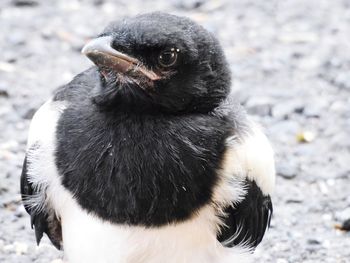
139	170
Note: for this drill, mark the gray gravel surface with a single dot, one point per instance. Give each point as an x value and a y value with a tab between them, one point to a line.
291	64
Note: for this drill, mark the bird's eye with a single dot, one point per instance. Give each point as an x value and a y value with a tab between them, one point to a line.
167	58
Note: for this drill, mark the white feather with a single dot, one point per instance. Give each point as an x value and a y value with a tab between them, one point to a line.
253	156
88	239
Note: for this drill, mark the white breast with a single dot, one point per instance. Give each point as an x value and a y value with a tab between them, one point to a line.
88	239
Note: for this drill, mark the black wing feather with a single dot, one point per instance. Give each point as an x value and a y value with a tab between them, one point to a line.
247	222
42	221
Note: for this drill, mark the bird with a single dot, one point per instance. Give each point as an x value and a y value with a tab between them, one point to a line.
146	157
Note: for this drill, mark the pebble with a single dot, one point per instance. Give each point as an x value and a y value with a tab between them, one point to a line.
20	248
16	39
259	105
98	2
25	3
313	110
188	4
305	136
4	93
20	211
287	170
284	109
298	37
343	215
341	80
7	67
314	242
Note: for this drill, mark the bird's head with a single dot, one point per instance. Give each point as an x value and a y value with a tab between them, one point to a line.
160	61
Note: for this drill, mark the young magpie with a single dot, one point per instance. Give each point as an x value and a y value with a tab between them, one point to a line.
143	158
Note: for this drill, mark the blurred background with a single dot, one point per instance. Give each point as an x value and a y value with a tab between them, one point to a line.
291	65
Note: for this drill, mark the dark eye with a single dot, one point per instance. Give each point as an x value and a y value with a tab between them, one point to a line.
167	58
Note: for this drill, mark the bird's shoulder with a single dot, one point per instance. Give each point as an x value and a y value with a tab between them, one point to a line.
248	145
80	88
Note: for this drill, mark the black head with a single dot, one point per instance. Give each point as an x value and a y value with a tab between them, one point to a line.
160	61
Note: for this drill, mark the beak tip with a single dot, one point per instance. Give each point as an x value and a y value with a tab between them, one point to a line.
84	50
97	44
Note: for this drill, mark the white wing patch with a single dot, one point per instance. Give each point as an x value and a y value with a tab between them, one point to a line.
253	157
42	171
43	125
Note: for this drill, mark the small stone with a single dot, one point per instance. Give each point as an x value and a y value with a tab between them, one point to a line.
327	217
298	37
16	39
8	248
20	248
305	136
20	211
259	106
341	81
3	190
29	113
313	111
25	3
294	201
313	242
4	93
285	109
324	189
7	67
343	215
98	2
339	106
189	5
287	170
26	111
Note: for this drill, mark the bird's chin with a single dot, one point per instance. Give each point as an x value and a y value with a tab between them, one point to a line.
124	80
130	80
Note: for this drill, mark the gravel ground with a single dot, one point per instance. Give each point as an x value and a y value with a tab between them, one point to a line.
291	62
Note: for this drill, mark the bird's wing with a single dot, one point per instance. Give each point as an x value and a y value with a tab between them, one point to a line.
250	161
42	218
39	175
245	224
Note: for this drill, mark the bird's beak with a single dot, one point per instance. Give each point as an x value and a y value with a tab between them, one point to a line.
100	51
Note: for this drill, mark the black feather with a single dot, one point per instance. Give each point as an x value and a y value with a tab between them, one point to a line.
247	222
43	221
